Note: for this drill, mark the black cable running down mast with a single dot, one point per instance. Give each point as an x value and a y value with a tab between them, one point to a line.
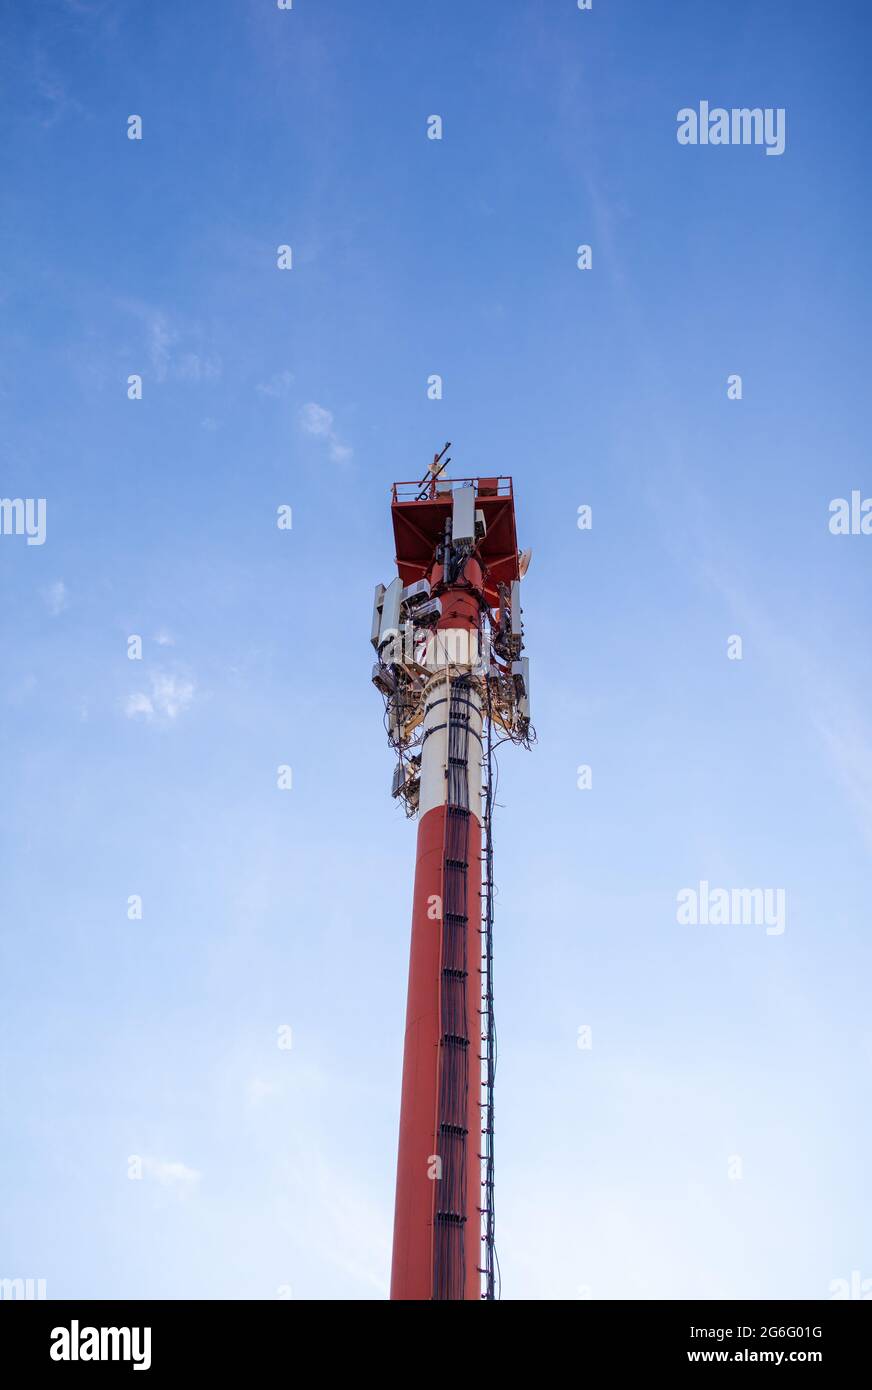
490	1260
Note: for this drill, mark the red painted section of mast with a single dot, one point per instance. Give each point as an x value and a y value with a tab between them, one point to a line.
412	1267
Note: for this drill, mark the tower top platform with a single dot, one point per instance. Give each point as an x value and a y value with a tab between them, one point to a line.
419	512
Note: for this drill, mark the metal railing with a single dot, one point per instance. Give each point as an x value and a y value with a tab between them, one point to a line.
412	492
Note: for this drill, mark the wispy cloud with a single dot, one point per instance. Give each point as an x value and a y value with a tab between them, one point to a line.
168	697
824	695
847	738
175	351
175	1175
318	421
278	385
53	91
83	7
259	1090
193	366
160	340
138	703
56	597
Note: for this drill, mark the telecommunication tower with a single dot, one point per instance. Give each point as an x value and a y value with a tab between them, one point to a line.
448	635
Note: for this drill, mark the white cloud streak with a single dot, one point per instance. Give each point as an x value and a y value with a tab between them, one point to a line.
278	385
56	598
316	420
171	1174
168	697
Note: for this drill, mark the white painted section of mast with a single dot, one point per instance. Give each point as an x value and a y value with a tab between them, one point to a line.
452	646
434	752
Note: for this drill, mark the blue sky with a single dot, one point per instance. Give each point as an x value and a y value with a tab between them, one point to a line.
265	1168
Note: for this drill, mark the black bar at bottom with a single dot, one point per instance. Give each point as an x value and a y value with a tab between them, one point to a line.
212	1338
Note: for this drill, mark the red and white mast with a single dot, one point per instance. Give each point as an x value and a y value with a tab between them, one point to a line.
447	631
